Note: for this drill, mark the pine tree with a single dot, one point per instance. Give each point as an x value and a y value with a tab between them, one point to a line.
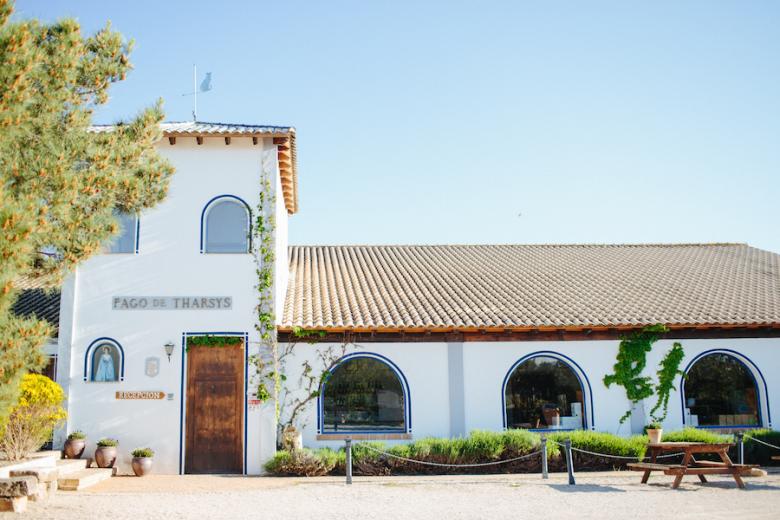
61	183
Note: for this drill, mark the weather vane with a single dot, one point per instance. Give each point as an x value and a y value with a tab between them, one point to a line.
205	86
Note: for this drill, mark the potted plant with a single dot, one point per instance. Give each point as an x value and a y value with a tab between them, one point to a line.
654	432
75	444
142	461
105	454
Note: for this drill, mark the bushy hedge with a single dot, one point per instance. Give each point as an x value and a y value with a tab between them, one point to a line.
485	446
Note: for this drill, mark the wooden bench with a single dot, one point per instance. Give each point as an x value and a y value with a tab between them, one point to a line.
691	466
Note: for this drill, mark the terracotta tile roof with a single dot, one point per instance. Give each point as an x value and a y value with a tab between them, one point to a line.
521	287
35	299
284	138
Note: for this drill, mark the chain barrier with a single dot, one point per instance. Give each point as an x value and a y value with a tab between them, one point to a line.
762	442
439	464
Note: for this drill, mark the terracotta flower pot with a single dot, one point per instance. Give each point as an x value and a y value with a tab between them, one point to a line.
74	448
105	456
142	466
655	435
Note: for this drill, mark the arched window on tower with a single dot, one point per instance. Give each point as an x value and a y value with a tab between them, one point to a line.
226	226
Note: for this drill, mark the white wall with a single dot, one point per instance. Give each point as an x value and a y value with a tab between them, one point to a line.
486	364
169	263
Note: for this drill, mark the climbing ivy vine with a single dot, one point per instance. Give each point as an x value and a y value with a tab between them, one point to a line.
667	373
209	340
631	363
265	361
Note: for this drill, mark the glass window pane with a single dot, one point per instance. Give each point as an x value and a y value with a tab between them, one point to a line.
227	228
363	394
544	392
125	241
720	391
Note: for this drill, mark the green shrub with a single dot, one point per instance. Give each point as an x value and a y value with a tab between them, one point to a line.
607	443
485	446
106	442
696	435
77	435
143	452
305	462
31	421
757	453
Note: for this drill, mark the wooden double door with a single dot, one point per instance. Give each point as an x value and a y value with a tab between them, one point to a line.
215	409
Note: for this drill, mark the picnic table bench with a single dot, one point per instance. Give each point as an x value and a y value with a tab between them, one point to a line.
691	466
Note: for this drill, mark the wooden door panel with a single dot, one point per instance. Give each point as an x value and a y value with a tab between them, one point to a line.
215	398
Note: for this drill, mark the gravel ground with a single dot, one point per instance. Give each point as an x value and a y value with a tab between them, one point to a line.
596	495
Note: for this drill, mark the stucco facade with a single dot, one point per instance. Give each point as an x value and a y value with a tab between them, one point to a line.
455	388
450	387
168	263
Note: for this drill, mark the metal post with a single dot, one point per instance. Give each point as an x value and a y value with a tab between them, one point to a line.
569	462
544	457
348	461
741	447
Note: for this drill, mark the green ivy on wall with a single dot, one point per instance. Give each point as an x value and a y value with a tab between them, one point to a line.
631	362
212	341
266	371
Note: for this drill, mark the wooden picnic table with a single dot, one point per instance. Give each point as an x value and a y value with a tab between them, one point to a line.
691	466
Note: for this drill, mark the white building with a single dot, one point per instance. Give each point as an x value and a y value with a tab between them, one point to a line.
416	340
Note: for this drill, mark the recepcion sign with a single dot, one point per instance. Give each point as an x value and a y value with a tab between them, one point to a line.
140	394
171	303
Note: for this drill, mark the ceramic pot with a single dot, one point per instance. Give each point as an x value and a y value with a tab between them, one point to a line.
74	448
655	435
105	456
142	466
292	439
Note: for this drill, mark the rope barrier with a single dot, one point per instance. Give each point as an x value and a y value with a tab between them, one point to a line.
620	457
439	464
762	442
623	457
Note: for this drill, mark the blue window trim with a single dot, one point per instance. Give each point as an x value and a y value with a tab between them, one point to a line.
404	386
183	377
576	368
205	210
137	232
137	237
752	369
90	351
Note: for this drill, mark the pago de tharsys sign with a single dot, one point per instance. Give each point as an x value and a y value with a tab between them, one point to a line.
171	303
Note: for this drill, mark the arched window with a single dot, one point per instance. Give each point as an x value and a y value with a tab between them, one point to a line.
720	390
225	226
363	394
544	392
126	241
106	361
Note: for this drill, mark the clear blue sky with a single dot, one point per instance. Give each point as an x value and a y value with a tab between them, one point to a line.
485	122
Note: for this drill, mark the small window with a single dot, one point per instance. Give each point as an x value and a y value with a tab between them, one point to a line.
721	391
125	241
227	227
544	392
105	363
363	394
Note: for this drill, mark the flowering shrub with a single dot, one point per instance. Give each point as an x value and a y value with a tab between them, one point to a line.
31	421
